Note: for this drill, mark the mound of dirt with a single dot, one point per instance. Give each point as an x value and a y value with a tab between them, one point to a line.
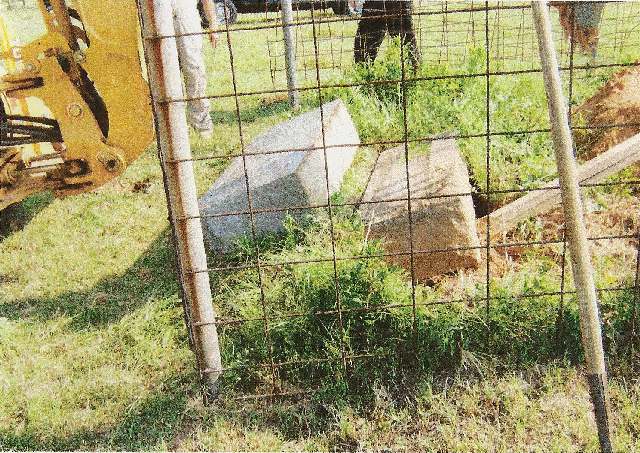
617	102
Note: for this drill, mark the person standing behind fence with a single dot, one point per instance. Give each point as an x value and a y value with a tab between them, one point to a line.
380	17
187	24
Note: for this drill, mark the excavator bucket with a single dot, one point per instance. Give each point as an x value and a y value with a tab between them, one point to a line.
75	109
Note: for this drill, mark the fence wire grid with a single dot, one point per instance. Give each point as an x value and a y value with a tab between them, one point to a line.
323	305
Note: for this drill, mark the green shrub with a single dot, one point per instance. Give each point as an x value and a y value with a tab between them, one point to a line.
375	334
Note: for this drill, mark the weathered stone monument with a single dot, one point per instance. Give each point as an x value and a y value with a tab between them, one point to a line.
443	217
286	170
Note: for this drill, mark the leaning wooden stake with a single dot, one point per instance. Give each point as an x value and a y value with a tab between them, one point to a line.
575	225
175	153
547	197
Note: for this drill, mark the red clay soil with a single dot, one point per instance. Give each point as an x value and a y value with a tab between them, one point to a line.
617	102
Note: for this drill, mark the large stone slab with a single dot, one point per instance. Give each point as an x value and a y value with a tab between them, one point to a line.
280	181
442	216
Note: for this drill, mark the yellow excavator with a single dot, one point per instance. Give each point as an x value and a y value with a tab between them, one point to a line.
75	108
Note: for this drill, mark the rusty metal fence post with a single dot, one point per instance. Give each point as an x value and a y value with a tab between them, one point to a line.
290	52
175	152
575	226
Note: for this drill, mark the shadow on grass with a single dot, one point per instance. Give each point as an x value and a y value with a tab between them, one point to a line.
152	276
158	418
164	419
154	420
16	217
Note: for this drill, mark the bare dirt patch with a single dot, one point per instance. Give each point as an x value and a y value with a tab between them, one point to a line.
616	103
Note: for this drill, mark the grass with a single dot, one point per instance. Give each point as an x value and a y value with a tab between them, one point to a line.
94	353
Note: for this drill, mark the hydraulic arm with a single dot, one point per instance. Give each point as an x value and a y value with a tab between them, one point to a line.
74	103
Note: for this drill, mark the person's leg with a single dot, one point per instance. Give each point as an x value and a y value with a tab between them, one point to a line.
192	64
393	23
370	33
409	38
401	24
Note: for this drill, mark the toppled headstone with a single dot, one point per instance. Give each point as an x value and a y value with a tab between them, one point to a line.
442	218
280	181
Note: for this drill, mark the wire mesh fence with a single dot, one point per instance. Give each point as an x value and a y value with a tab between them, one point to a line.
448	31
373	241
